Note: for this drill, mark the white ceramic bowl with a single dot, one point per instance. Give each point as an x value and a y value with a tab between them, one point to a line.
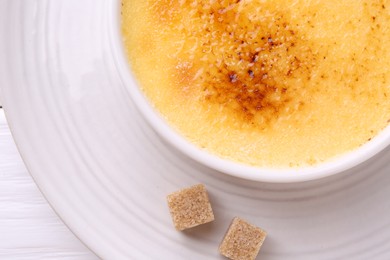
335	166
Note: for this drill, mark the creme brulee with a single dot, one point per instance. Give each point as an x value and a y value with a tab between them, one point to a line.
270	83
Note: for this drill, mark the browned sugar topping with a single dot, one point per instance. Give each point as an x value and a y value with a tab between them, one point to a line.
262	82
248	61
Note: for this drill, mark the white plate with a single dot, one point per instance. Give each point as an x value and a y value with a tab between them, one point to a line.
106	172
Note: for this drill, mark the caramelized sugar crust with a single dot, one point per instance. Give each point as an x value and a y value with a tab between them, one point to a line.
269	83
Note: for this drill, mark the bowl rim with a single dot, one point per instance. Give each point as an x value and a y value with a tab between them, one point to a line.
236	169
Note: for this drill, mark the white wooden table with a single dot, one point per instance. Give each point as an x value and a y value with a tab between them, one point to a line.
29	228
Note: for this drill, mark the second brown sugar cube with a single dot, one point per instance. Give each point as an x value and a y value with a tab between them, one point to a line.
190	207
242	241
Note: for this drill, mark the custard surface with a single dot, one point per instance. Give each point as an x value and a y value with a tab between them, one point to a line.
266	83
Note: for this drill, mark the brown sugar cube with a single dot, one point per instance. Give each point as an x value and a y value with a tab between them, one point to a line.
190	207
242	241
